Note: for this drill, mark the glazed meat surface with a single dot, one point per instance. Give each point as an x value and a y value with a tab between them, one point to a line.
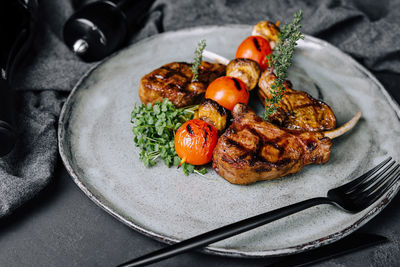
174	81
252	149
297	110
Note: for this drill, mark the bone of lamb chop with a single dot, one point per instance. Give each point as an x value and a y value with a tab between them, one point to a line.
174	81
252	149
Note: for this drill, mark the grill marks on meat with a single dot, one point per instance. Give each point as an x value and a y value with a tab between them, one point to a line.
297	110
174	81
252	149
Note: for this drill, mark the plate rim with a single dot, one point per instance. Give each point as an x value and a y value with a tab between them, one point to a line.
218	250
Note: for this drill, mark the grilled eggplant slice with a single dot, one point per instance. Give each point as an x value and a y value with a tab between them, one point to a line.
297	110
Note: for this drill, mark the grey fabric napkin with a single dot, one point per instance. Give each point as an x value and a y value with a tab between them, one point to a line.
367	30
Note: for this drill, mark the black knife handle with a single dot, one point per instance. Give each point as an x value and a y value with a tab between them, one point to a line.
352	243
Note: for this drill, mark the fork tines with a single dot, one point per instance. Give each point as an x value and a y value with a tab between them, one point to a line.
373	184
350	186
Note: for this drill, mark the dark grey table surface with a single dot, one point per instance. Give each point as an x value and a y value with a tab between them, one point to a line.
62	227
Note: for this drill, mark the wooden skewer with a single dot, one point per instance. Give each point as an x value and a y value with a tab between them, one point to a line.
217	58
344	128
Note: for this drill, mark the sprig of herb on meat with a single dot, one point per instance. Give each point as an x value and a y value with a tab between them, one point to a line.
281	60
154	131
198	58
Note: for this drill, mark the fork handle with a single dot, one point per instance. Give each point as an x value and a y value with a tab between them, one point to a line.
224	232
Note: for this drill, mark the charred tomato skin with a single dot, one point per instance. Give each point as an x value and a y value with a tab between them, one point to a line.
195	141
228	91
256	48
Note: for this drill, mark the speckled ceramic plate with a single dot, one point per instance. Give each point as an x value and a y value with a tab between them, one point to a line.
95	142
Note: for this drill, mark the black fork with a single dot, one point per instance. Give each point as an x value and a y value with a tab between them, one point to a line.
353	197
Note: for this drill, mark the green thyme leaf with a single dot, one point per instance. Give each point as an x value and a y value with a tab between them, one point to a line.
281	60
198	58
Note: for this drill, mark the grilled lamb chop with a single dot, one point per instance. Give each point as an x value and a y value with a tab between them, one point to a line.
174	81
297	110
252	149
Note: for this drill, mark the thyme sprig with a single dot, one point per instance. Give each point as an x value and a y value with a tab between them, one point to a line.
198	58
281	60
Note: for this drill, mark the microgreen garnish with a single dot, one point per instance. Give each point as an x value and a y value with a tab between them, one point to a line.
281	60
189	168
198	58
154	131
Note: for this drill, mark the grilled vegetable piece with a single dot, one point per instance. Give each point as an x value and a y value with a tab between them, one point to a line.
195	141
174	81
297	110
228	91
212	113
252	149
268	30
256	48
246	70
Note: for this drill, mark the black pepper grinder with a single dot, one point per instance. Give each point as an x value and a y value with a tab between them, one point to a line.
99	28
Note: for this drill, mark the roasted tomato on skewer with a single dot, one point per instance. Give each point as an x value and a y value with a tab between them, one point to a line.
256	48
195	141
228	91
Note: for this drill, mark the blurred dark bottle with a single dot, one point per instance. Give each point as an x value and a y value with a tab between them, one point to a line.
99	28
16	31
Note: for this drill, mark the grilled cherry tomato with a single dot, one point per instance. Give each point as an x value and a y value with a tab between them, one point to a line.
195	141
228	91
255	48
